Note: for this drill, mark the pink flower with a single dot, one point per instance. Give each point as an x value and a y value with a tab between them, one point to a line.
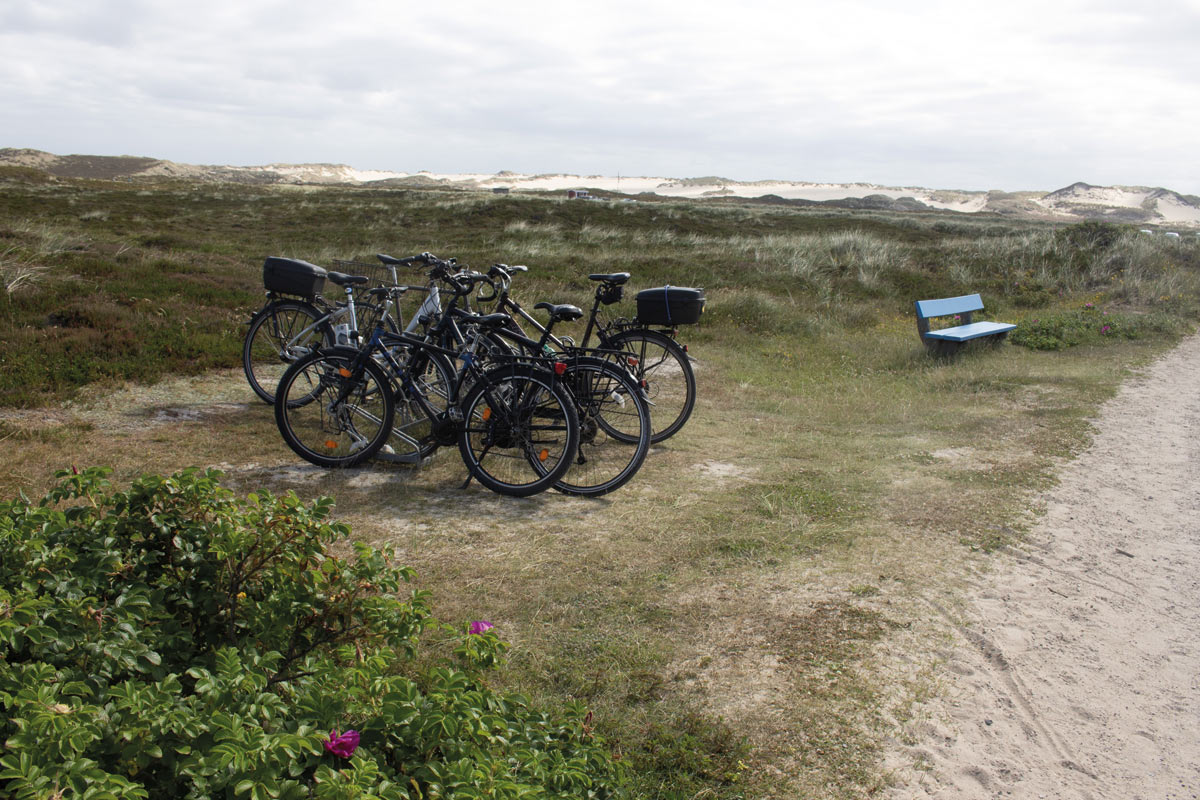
479	626
343	744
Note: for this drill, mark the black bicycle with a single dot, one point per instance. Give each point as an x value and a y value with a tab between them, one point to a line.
657	361
515	425
613	415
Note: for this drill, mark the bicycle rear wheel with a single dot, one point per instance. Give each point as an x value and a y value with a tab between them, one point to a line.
279	335
669	383
614	427
332	413
515	417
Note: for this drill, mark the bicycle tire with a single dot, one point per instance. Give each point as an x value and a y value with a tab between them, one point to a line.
269	349
513	417
669	381
614	423
331	412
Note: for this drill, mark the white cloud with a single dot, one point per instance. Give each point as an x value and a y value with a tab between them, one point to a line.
949	94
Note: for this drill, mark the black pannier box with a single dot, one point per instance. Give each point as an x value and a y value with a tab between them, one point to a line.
293	276
670	305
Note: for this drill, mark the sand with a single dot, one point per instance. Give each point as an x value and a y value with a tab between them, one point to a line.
1077	669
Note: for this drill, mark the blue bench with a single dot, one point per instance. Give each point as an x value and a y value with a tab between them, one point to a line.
947	341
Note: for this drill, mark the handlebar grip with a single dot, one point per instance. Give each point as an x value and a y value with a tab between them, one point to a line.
398	262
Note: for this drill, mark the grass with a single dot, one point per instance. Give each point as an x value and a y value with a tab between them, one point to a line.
749	617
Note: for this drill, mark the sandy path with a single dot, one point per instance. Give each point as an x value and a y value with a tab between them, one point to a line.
1077	673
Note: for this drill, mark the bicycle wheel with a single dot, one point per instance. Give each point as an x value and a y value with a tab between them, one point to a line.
332	413
515	417
279	335
614	427
670	384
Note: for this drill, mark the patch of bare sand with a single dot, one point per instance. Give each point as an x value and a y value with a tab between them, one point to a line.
1077	668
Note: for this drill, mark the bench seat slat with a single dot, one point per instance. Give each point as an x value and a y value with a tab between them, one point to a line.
973	331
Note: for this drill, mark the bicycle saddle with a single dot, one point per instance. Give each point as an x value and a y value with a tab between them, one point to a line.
616	278
563	312
487	320
342	279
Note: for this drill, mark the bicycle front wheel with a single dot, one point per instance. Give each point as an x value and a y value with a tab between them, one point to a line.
514	418
614	427
669	385
279	335
331	412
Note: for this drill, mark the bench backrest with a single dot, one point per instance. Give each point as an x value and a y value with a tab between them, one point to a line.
948	306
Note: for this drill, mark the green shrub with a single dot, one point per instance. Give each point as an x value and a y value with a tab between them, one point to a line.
1092	234
173	641
1089	325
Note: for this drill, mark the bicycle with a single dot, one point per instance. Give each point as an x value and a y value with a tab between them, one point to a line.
515	425
657	361
613	414
286	329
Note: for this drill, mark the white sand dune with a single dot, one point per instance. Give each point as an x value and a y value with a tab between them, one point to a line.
1150	206
1171	207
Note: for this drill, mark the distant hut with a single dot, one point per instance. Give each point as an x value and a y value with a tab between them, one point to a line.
500	190
578	194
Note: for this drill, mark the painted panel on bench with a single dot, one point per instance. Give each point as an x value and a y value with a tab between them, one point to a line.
972	331
949	305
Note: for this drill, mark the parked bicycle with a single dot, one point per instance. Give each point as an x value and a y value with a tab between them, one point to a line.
515	425
297	319
614	417
647	343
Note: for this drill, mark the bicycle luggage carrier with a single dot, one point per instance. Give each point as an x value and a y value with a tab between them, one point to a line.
293	276
670	305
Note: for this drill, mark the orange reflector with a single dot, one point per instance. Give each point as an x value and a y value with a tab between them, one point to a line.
487	414
633	362
542	456
345	373
559	368
331	444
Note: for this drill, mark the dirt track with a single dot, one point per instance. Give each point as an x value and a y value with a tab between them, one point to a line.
1077	668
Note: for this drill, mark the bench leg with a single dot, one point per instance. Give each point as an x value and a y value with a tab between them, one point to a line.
947	349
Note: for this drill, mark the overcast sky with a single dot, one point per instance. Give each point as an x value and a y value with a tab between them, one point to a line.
945	94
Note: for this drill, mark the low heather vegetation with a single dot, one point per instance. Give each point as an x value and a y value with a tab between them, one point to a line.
750	617
107	281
